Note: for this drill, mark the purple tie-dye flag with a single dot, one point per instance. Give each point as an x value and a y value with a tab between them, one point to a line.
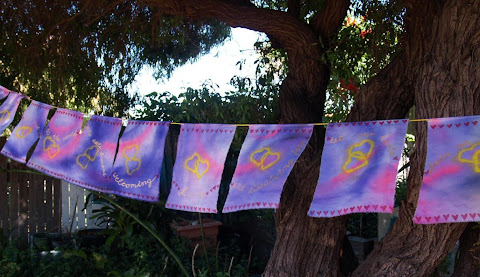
57	145
202	150
266	159
3	92
27	132
450	190
8	109
91	160
359	168
136	173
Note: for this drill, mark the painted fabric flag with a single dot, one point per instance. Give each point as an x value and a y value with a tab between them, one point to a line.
8	109
450	190
359	168
57	144
3	92
91	160
136	172
27	132
266	159
201	153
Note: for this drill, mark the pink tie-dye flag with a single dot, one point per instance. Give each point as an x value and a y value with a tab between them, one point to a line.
8	109
27	132
266	159
3	92
359	168
91	160
202	150
451	187
136	173
56	146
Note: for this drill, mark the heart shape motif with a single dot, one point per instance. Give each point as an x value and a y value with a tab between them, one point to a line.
23	131
4	115
264	158
197	165
132	162
358	155
82	161
51	147
475	158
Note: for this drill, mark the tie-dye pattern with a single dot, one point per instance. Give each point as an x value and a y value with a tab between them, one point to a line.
359	168
266	159
202	150
27	132
8	109
136	173
94	150
451	190
57	145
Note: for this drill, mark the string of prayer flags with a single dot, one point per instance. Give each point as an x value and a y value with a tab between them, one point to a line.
359	168
202	150
94	150
3	92
27	132
450	190
136	172
266	159
8	109
56	146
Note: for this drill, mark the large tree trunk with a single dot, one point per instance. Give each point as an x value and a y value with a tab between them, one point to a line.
443	50
468	263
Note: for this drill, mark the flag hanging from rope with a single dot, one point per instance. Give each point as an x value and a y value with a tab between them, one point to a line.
450	190
57	144
94	150
202	150
27	132
8	109
136	172
266	159
359	168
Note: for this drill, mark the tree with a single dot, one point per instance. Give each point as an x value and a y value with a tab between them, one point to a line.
435	67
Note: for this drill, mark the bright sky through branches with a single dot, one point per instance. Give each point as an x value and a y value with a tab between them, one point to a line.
215	68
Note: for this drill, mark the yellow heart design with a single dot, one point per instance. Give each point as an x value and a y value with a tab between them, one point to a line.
267	152
4	115
83	164
358	155
475	157
130	155
87	155
198	162
52	148
23	131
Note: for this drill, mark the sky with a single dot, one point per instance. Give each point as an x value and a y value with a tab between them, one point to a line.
217	67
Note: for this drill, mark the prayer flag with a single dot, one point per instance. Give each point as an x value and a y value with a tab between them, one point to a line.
359	168
451	180
94	150
3	92
202	150
27	132
136	172
266	159
8	109
57	145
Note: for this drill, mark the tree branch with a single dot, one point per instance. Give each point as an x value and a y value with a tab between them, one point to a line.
327	21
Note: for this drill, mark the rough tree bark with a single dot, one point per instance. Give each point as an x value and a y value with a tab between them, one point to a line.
468	263
442	49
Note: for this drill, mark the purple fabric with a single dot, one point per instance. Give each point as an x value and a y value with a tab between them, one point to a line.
58	144
359	168
450	190
201	153
91	160
3	92
26	132
266	159
136	173
8	109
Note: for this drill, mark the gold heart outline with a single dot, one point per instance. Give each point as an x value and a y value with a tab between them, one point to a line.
54	145
23	131
88	156
132	158
358	155
475	157
4	115
267	154
196	165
